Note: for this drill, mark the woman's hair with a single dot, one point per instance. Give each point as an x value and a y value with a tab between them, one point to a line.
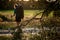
16	5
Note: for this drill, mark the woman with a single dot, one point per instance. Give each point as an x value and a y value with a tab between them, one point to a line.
19	13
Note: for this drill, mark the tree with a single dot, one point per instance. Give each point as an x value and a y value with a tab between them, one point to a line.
17	35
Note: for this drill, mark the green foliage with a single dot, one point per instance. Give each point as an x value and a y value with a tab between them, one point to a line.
5	38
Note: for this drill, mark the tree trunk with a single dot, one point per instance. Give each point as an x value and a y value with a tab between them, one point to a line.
18	34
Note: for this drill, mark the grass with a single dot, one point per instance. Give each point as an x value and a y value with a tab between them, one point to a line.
8	13
26	12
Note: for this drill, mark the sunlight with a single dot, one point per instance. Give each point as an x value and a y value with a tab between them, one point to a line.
35	0
9	0
25	0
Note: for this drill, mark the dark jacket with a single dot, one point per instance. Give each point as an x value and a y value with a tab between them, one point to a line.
19	12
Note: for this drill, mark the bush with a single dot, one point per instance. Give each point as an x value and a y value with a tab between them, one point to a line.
51	23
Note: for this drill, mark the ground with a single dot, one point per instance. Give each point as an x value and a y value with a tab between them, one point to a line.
28	15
